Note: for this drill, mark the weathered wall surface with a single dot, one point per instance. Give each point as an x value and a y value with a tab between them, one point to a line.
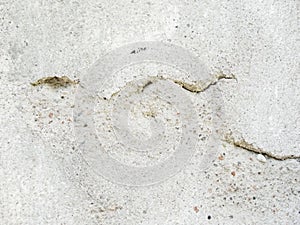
43	177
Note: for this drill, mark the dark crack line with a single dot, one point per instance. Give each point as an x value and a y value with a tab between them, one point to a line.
250	147
197	88
194	88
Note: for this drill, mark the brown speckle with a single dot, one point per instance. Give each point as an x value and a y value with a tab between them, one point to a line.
221	157
196	209
50	115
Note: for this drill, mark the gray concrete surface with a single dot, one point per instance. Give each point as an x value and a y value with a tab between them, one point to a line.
43	176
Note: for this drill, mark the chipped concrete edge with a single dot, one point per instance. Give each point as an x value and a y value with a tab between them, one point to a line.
243	144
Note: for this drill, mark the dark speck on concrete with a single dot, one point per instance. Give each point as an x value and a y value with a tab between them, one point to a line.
135	51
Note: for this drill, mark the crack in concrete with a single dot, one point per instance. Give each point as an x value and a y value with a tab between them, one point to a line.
195	88
200	87
241	143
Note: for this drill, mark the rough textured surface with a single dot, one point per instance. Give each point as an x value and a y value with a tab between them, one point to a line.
253	40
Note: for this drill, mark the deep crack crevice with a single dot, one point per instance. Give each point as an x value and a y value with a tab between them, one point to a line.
241	143
55	81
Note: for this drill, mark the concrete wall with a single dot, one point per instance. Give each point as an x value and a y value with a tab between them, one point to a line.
245	166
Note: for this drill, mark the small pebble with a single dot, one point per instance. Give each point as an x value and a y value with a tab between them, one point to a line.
261	158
